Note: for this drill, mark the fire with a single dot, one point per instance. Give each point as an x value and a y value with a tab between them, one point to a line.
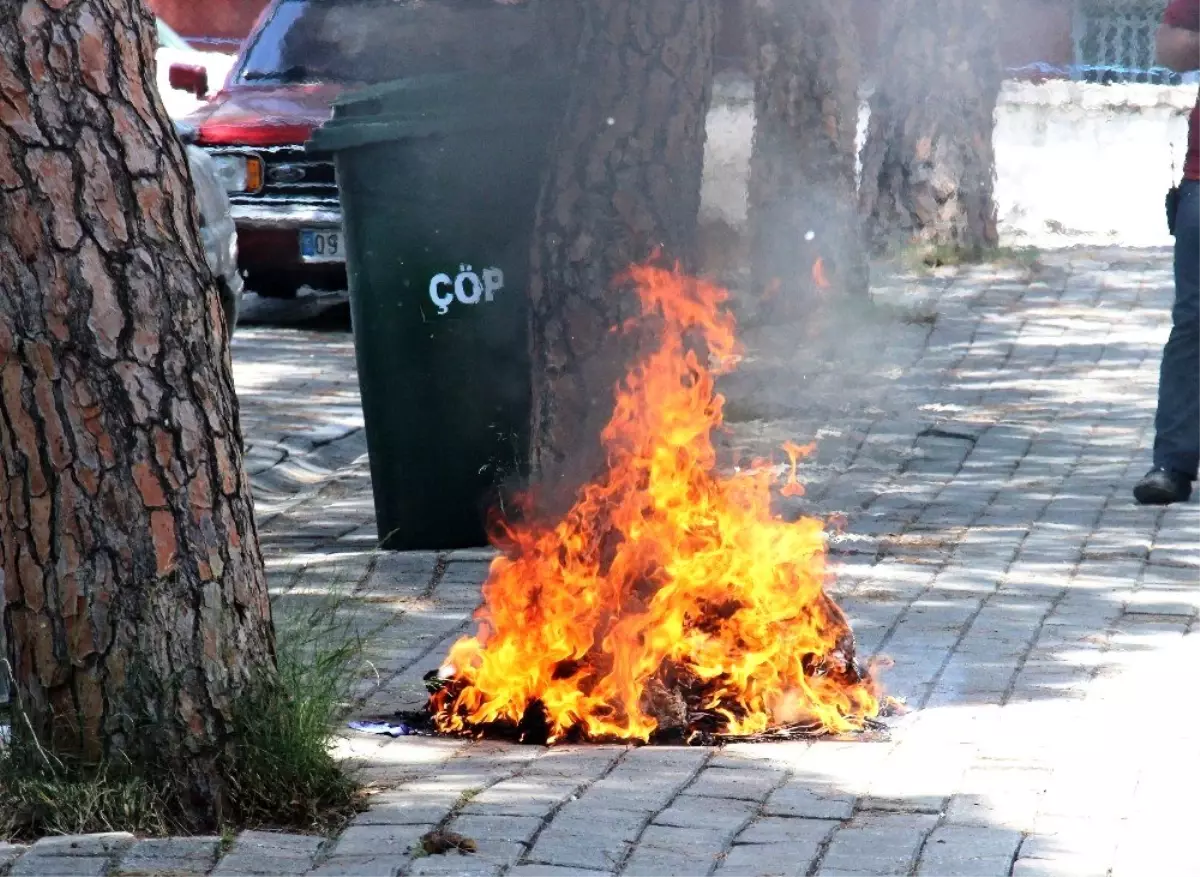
670	597
793	487
818	274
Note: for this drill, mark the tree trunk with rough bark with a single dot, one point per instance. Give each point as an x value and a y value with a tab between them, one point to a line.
135	608
928	163
623	187
806	239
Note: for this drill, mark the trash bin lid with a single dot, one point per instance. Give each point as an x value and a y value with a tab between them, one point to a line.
437	104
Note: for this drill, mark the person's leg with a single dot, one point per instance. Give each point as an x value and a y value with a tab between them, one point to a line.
1177	423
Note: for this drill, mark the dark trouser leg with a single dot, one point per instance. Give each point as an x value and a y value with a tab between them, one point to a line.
1177	424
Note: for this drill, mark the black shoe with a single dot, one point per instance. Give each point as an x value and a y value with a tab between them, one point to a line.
1162	487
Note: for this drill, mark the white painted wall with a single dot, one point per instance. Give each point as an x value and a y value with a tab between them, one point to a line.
1076	163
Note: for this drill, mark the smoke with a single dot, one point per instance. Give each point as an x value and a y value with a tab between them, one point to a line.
823	377
381	40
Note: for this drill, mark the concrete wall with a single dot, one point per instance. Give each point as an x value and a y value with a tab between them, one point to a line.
1076	163
1079	162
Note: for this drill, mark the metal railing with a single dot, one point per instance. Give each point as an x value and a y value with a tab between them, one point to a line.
1114	42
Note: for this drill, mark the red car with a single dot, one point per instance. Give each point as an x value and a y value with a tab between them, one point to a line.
299	58
284	199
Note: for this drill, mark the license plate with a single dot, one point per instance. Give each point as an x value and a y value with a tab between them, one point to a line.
322	245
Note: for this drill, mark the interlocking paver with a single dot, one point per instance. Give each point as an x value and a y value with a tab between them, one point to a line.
968	851
666	851
877	844
779	830
403	807
992	551
266	852
172	855
522	796
631	791
60	866
9	853
713	814
506	828
744	785
379	840
87	845
807	799
583	837
454	865
360	866
789	859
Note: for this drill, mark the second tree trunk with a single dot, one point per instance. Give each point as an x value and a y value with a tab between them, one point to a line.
928	164
805	234
623	187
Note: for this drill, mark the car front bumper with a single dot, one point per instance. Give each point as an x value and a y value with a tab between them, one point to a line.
285	216
269	240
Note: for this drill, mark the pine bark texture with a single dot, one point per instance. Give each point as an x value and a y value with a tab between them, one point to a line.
803	198
623	187
135	606
928	166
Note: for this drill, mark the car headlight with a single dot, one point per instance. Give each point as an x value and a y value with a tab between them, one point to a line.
239	173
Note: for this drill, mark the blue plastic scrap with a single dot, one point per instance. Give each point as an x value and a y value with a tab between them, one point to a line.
391	729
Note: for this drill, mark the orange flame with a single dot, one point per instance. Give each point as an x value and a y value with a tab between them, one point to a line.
793	487
820	280
665	575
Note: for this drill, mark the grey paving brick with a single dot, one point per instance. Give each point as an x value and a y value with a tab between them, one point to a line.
171	855
379	840
780	830
60	866
492	854
464	572
360	866
653	791
539	870
807	799
968	851
745	785
454	865
665	851
692	811
266	852
662	759
518	797
9	853
574	764
102	844
791	859
405	809
505	828
877	843
1053	868
586	838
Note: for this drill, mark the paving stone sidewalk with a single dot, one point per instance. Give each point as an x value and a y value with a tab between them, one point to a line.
979	433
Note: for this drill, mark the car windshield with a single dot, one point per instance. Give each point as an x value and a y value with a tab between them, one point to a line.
367	41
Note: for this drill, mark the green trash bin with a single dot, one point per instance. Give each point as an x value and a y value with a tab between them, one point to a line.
438	177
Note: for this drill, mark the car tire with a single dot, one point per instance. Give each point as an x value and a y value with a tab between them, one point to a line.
272	285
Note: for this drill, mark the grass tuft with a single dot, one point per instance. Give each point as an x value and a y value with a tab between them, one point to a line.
925	256
282	772
40	797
